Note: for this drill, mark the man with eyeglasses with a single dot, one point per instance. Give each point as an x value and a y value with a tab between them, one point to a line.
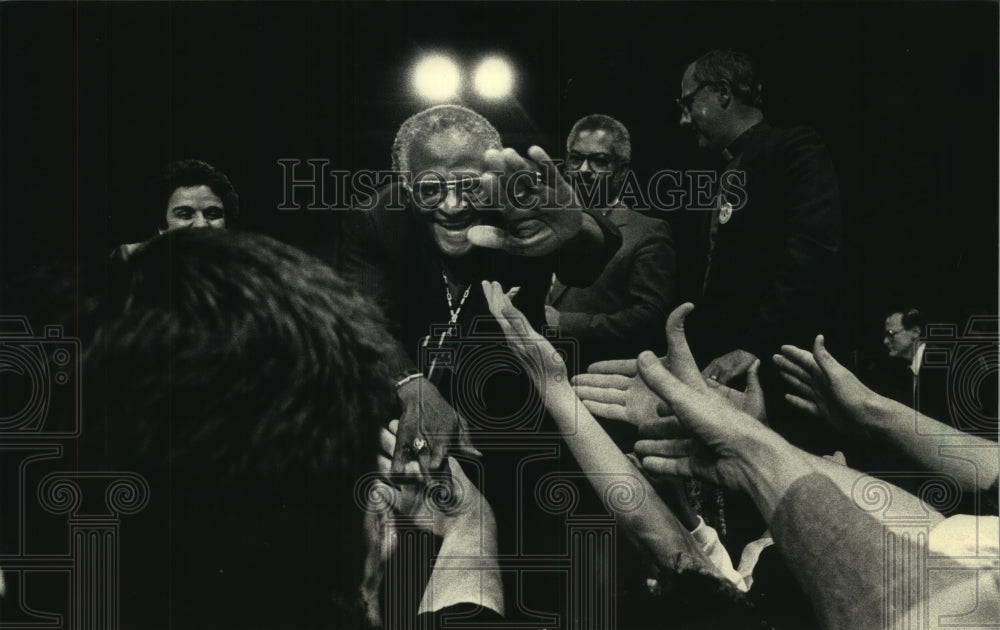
902	337
898	375
772	245
473	211
622	313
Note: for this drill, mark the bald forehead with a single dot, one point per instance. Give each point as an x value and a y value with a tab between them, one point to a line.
447	150
687	80
594	141
894	321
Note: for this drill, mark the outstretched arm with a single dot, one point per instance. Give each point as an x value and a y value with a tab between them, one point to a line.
834	548
830	391
647	520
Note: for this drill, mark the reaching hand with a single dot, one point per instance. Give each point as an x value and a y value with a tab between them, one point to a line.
613	390
449	498
540	212
427	427
824	387
730	365
543	363
708	438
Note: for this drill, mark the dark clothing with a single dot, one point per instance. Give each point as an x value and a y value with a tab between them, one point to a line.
955	385
624	311
927	392
776	260
773	264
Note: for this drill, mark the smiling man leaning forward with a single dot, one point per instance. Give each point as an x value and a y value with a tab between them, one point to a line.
473	211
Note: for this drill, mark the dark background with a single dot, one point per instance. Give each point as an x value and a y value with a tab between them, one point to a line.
96	98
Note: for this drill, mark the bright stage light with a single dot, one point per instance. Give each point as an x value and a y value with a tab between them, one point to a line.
436	77
494	78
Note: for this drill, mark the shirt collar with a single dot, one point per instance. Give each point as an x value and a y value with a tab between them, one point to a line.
918	357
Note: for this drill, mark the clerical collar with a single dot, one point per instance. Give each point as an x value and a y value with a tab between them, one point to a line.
736	146
918	358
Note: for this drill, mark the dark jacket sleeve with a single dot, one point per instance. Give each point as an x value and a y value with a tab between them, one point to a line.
581	260
806	189
640	325
362	260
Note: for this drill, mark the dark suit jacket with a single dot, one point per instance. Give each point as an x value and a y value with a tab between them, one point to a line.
776	263
624	311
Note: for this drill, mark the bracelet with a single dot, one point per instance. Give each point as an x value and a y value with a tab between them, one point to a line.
407	379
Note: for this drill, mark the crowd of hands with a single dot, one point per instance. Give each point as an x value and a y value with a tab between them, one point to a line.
689	426
690	422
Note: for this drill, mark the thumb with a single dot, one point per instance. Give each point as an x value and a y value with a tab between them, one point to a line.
826	362
679	358
487	236
659	380
753	379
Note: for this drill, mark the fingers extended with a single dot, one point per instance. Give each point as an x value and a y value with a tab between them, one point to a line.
682	447
622	367
601	394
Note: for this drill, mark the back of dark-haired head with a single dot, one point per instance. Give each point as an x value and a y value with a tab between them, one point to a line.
594	122
910	317
439	118
230	328
186	173
245	380
735	69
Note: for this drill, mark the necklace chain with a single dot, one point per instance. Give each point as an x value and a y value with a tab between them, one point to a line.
451	303
455	312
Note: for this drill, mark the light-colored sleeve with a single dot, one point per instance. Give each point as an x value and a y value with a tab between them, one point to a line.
963	574
708	538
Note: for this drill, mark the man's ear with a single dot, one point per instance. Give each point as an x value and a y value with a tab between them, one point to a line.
725	96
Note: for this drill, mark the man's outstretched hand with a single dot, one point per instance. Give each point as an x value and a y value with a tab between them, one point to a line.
428	427
540	212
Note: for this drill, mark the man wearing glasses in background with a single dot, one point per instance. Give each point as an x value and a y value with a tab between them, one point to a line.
768	261
772	245
623	312
899	376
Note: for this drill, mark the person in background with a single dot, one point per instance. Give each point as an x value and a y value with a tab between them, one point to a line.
622	312
189	194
